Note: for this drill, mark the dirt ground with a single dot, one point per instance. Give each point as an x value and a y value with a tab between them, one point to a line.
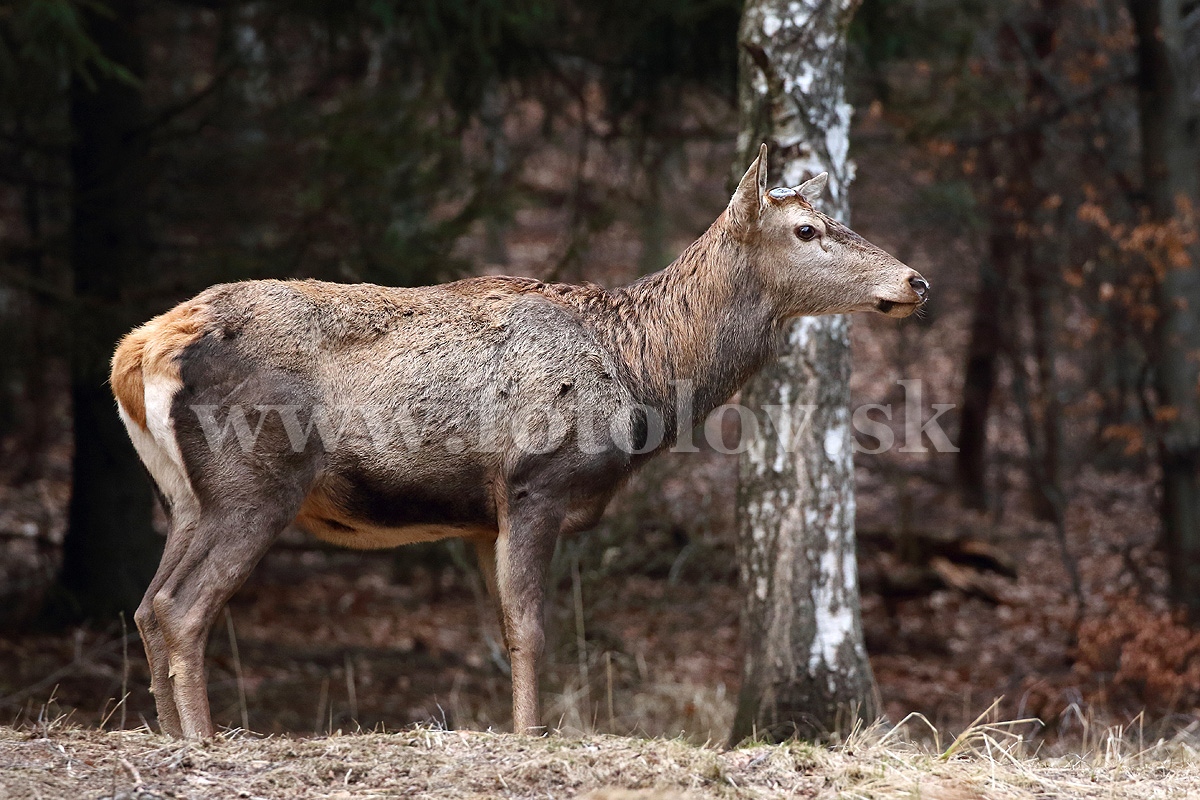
988	763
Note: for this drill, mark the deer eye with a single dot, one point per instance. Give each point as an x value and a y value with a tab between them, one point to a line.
806	232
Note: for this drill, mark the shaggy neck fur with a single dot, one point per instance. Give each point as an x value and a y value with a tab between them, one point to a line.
706	319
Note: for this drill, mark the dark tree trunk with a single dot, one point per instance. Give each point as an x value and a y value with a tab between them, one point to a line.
110	550
979	381
1170	124
806	672
1037	39
1014	260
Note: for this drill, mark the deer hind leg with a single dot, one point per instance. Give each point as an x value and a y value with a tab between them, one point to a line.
222	549
528	532
157	652
157	447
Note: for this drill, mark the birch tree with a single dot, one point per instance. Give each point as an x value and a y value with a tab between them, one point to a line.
806	671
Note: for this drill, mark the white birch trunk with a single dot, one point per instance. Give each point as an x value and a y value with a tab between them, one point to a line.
806	671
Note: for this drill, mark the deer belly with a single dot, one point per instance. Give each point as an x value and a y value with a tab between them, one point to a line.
368	537
349	524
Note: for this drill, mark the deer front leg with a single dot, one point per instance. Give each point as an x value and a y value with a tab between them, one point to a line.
523	554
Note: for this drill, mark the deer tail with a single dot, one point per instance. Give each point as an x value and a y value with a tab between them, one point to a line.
150	352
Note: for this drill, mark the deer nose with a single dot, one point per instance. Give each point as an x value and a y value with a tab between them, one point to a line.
919	285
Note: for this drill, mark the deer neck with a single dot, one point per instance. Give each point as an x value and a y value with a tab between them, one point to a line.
695	331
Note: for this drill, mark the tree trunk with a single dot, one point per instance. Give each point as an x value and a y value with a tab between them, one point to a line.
979	380
110	550
806	672
1014	204
1170	124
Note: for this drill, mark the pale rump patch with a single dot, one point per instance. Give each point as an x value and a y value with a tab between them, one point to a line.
150	351
145	378
157	447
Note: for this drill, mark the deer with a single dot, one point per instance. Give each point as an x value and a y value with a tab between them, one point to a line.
463	357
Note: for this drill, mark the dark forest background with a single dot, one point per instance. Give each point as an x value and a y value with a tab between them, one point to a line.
1037	160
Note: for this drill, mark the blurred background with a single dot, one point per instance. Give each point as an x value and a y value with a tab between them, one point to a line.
148	150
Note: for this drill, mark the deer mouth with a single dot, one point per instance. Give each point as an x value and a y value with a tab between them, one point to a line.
892	308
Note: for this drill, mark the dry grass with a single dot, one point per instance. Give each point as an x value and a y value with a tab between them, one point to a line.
987	761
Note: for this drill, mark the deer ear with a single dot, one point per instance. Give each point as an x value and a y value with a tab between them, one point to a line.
813	188
747	202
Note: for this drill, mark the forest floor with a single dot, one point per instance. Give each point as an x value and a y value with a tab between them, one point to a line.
985	764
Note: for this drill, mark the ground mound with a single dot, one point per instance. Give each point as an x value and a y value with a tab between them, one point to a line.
50	763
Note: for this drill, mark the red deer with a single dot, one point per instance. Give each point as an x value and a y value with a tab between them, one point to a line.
459	358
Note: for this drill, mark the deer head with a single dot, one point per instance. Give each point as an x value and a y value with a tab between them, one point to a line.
812	264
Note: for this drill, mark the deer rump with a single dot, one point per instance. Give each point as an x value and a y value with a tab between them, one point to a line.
375	416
